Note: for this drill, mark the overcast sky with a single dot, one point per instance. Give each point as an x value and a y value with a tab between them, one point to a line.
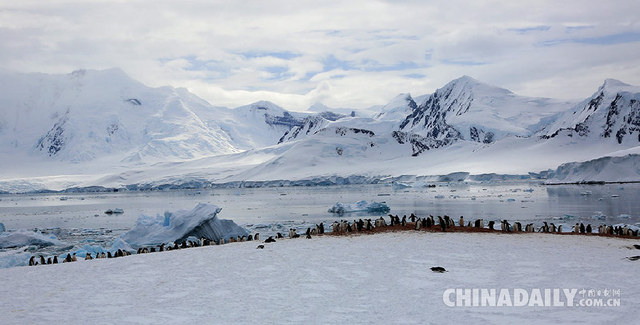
341	53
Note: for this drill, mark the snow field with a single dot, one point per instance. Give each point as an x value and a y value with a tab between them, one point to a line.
381	278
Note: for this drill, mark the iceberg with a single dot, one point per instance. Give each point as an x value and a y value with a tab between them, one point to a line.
360	206
24	237
201	222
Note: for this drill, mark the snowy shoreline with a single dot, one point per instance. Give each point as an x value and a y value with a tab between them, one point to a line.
381	278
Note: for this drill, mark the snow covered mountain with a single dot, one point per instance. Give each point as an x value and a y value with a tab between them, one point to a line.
90	114
466	109
87	115
102	128
612	112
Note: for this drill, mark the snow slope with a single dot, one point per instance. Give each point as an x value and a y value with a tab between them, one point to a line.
381	278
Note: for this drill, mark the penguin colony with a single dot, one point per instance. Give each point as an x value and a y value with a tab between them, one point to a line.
33	261
343	227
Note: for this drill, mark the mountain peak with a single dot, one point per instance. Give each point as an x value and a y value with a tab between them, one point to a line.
614	85
469	83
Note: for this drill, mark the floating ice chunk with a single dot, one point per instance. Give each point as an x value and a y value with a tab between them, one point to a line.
118	243
177	226
2	229
360	206
528	190
400	186
439	196
511	200
24	237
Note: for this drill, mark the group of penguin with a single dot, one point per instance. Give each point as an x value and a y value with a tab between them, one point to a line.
446	222
142	250
344	227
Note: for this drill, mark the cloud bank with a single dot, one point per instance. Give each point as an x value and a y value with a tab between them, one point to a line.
341	53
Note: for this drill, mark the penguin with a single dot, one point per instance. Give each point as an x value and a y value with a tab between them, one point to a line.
243	239
119	252
461	222
279	236
102	255
221	241
67	259
335	228
32	260
417	224
438	269
260	247
109	255
152	250
582	229
308	235
257	236
413	217
55	259
42	260
404	221
560	229
250	238
88	257
589	229
270	240
469	224
49	260
477	223
447	221
553	228
139	250
492	223
369	225
443	225
360	225
517	227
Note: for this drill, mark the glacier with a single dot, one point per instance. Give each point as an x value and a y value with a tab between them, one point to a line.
200	222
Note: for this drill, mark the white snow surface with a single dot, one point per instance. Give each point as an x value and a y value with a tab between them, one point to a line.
382	278
200	222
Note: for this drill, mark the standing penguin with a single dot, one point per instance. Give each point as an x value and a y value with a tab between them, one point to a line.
42	260
492	223
32	260
582	229
443	225
461	223
589	229
413	217
404	221
55	259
